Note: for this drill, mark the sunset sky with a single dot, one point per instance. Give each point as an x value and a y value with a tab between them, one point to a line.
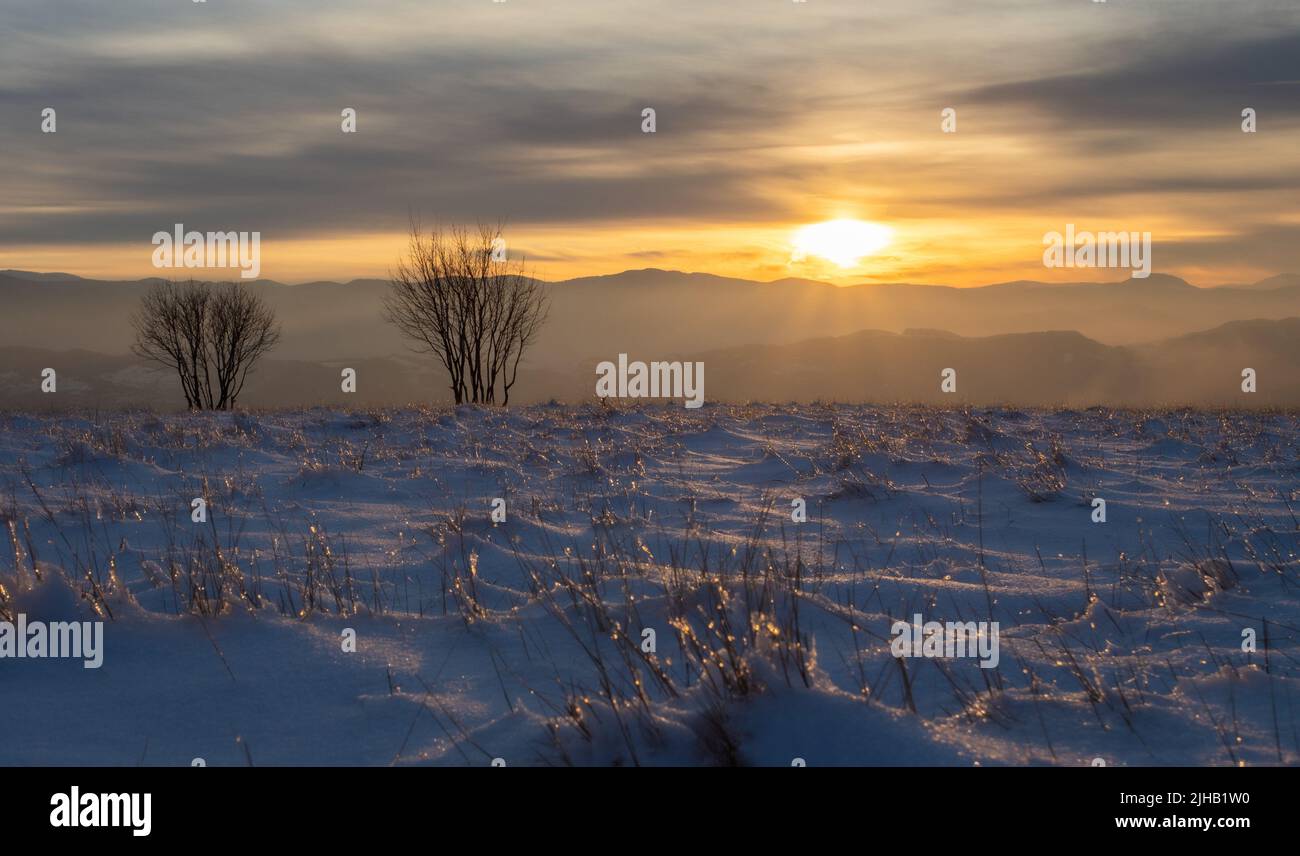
771	115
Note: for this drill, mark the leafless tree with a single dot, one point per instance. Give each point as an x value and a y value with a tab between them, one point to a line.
210	335
456	294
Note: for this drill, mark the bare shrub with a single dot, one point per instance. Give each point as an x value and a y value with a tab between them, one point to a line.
457	295
210	335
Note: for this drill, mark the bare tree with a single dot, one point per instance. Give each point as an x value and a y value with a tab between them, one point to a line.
210	335
241	329
457	295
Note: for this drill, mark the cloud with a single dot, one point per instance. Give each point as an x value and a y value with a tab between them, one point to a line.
226	115
1168	89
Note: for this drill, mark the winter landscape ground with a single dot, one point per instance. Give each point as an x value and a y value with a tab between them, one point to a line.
524	640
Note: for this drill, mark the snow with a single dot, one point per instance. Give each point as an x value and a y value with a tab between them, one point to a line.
522	640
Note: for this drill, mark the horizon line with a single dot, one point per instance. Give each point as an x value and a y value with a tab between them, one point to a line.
786	279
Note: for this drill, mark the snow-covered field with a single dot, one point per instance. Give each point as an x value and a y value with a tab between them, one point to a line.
524	640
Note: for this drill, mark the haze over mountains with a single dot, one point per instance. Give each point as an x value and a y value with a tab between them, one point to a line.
1137	342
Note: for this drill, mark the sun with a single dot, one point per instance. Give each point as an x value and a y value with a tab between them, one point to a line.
844	242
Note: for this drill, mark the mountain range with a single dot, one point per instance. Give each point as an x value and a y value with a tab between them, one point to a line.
1158	340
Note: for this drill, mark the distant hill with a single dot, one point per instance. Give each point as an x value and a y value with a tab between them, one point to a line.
1026	369
1030	369
1283	280
39	277
650	313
